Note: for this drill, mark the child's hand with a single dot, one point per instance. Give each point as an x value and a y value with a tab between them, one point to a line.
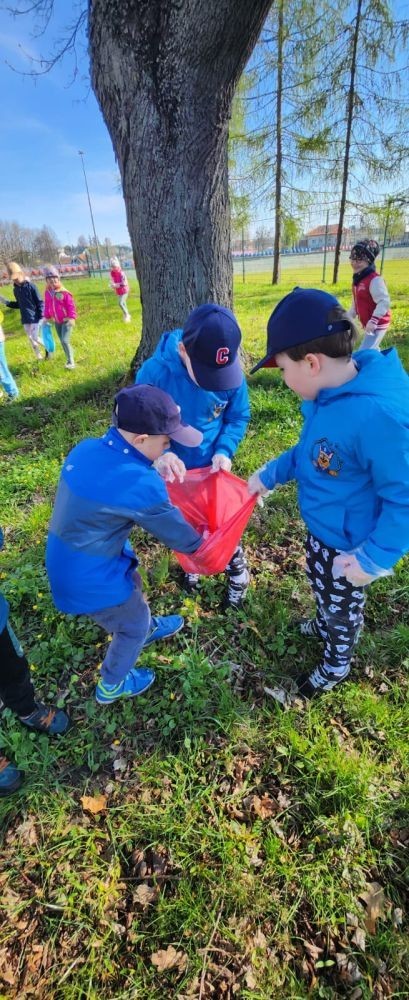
170	467
347	565
220	463
255	485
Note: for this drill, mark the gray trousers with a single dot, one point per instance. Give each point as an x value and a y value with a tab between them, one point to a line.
128	624
64	331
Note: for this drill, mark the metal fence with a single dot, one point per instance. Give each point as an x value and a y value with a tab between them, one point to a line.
312	268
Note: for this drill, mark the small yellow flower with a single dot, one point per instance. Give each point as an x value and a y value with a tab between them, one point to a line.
172	696
35	606
40	594
116	743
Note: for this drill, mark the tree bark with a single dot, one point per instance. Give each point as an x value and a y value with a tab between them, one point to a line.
164	73
279	144
350	118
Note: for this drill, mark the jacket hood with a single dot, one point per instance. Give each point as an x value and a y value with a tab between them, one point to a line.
167	352
381	376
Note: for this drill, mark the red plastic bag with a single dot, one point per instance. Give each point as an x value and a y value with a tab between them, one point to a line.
220	503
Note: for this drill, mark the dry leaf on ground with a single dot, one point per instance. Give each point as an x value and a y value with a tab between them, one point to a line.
93	803
164	960
145	894
374	899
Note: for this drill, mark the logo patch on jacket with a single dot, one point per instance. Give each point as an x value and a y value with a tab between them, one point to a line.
325	458
217	410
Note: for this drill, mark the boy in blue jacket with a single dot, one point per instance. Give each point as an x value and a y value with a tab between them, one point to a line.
351	465
107	486
199	366
17	693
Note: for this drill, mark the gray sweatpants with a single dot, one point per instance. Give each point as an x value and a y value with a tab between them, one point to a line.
128	624
64	331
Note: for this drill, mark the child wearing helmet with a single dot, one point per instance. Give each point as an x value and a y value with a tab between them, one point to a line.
370	297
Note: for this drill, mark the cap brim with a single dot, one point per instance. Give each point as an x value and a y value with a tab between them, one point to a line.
187	435
216	379
267	362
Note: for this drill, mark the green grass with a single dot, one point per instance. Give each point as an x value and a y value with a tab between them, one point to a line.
253	831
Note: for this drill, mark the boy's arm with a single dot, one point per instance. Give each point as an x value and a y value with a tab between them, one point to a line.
236	416
386	450
168	525
280	470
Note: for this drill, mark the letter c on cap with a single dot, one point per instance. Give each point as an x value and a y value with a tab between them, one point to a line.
222	355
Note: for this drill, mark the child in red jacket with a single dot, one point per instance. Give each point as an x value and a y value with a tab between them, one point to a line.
59	306
119	283
370	295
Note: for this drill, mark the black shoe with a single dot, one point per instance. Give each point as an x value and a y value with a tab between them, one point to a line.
305	688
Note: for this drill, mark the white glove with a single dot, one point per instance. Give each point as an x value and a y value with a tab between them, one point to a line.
170	467
255	485
220	463
371	326
347	565
3	300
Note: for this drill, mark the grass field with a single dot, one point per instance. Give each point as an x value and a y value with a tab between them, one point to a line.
241	851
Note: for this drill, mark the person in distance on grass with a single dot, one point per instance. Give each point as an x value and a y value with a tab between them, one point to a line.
17	693
200	367
59	306
119	283
28	300
351	465
7	381
370	297
107	486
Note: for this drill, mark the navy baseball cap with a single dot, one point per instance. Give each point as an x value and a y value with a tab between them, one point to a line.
145	409
305	314
212	338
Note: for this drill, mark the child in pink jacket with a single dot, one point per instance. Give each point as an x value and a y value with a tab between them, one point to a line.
59	306
119	283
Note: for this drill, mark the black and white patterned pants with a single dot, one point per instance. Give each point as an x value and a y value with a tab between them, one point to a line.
339	615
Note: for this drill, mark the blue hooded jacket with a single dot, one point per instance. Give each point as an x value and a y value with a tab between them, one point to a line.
4	608
352	461
106	487
221	416
28	300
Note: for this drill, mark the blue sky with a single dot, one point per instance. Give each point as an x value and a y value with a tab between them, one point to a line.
44	123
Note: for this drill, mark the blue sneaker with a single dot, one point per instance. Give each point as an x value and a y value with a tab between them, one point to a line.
10	777
137	681
163	626
45	719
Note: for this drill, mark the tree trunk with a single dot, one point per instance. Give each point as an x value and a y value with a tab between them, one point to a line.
350	118
279	144
164	74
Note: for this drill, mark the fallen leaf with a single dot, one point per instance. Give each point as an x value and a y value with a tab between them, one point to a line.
397	917
164	960
93	803
263	807
144	895
359	938
26	831
374	899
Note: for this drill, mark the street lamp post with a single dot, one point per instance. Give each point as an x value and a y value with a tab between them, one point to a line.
81	154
